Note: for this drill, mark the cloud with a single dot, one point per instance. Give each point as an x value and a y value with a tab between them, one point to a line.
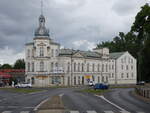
69	21
84	44
8	55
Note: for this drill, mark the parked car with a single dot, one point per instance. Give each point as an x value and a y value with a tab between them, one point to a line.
91	83
2	84
141	83
23	85
101	86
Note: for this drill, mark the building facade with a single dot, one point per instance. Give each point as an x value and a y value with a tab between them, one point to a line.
47	64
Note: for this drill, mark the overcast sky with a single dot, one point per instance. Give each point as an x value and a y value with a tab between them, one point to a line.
78	24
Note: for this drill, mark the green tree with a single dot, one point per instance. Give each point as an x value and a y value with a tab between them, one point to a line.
19	64
6	66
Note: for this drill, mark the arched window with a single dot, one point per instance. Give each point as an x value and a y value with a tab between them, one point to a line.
41	51
82	67
28	67
88	66
74	67
78	67
32	66
41	66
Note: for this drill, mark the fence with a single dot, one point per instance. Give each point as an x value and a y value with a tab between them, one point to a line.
145	92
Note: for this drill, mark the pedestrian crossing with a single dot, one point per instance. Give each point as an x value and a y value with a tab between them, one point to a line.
74	111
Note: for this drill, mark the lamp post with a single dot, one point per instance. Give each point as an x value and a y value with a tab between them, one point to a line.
71	67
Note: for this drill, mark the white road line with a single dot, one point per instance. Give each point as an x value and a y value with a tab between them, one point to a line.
124	112
24	112
36	108
74	111
108	111
91	111
102	97
6	112
61	95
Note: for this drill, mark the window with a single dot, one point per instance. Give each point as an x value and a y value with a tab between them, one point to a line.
52	66
32	66
32	52
74	67
93	66
41	66
78	67
56	52
112	75
132	75
122	67
82	67
41	51
28	67
56	65
127	75
98	79
88	67
98	68
126	67
28	52
106	68
68	67
112	67
131	67
79	80
131	60
52	52
74	80
121	75
102	67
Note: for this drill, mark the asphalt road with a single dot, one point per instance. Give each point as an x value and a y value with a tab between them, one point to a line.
116	101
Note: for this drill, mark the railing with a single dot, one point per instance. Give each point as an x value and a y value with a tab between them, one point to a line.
145	92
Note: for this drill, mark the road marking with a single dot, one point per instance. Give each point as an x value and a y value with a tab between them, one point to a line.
108	111
74	111
91	112
61	94
102	97
124	112
36	108
140	112
24	112
6	112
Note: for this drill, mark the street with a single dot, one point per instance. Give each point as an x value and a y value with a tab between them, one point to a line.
116	101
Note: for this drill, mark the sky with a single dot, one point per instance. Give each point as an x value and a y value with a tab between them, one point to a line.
77	24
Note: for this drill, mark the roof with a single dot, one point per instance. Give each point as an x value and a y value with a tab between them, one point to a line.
69	52
116	55
30	43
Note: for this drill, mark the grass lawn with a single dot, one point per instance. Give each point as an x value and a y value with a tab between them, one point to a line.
22	90
98	92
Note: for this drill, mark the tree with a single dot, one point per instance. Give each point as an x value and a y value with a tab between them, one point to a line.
19	64
6	66
137	42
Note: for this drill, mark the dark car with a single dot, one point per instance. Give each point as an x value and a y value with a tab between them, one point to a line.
141	83
101	86
2	84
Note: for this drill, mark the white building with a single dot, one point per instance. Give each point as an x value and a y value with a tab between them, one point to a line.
47	64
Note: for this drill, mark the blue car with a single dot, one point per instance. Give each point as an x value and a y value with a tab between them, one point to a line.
100	86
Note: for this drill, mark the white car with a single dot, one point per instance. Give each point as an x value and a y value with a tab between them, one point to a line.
23	85
91	83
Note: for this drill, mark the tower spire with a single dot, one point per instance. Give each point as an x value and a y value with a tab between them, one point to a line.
41	7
